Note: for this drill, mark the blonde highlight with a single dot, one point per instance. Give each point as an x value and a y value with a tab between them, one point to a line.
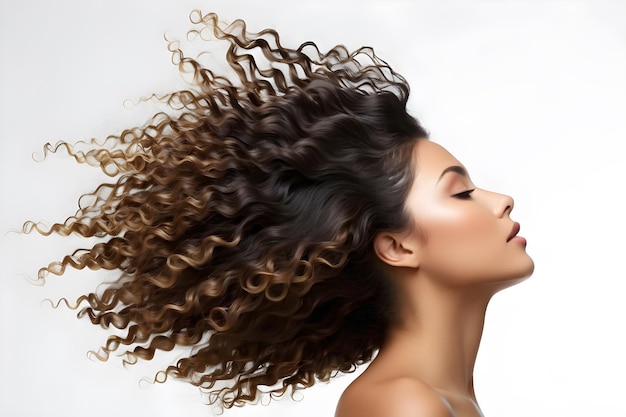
253	203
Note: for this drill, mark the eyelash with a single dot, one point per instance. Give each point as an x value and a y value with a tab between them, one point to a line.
465	195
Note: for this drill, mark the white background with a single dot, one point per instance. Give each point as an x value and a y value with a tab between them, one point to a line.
529	95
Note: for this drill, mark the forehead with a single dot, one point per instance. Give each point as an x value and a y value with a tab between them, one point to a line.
430	160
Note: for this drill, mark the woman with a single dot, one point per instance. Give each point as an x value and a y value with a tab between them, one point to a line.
459	249
289	221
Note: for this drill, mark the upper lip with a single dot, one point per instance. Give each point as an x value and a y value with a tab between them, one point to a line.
514	231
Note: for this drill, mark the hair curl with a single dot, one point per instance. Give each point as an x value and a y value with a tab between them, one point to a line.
242	220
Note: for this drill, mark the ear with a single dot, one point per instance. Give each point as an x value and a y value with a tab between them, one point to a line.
397	249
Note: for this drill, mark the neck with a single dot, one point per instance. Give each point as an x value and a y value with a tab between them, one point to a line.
437	337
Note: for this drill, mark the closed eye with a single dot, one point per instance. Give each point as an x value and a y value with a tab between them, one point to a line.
465	195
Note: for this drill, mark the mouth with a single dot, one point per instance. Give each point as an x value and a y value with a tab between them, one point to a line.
514	231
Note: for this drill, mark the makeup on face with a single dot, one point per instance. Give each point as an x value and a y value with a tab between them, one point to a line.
466	235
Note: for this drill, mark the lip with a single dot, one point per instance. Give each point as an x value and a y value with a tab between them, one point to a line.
514	231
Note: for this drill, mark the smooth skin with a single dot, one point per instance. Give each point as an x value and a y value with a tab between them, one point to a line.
457	253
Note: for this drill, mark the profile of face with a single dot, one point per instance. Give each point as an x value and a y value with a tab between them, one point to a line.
459	234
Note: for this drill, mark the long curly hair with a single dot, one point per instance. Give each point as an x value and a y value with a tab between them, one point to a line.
241	221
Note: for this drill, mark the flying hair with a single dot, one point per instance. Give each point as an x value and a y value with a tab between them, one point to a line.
241	220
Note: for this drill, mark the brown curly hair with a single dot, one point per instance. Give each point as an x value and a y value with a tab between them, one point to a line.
242	220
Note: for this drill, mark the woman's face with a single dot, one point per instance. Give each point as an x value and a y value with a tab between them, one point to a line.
463	234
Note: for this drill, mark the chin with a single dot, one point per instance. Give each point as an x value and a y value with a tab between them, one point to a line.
521	273
528	270
506	275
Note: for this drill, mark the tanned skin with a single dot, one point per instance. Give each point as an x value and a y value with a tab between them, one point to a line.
461	249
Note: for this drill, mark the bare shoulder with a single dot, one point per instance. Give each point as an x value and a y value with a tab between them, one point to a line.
398	397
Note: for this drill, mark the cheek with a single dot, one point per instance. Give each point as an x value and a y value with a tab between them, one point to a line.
457	226
458	244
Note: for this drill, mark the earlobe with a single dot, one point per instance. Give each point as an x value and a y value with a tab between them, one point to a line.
396	250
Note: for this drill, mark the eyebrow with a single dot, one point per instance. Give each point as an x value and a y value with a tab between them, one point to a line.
454	168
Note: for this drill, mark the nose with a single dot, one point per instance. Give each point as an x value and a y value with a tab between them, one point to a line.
502	204
505	205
